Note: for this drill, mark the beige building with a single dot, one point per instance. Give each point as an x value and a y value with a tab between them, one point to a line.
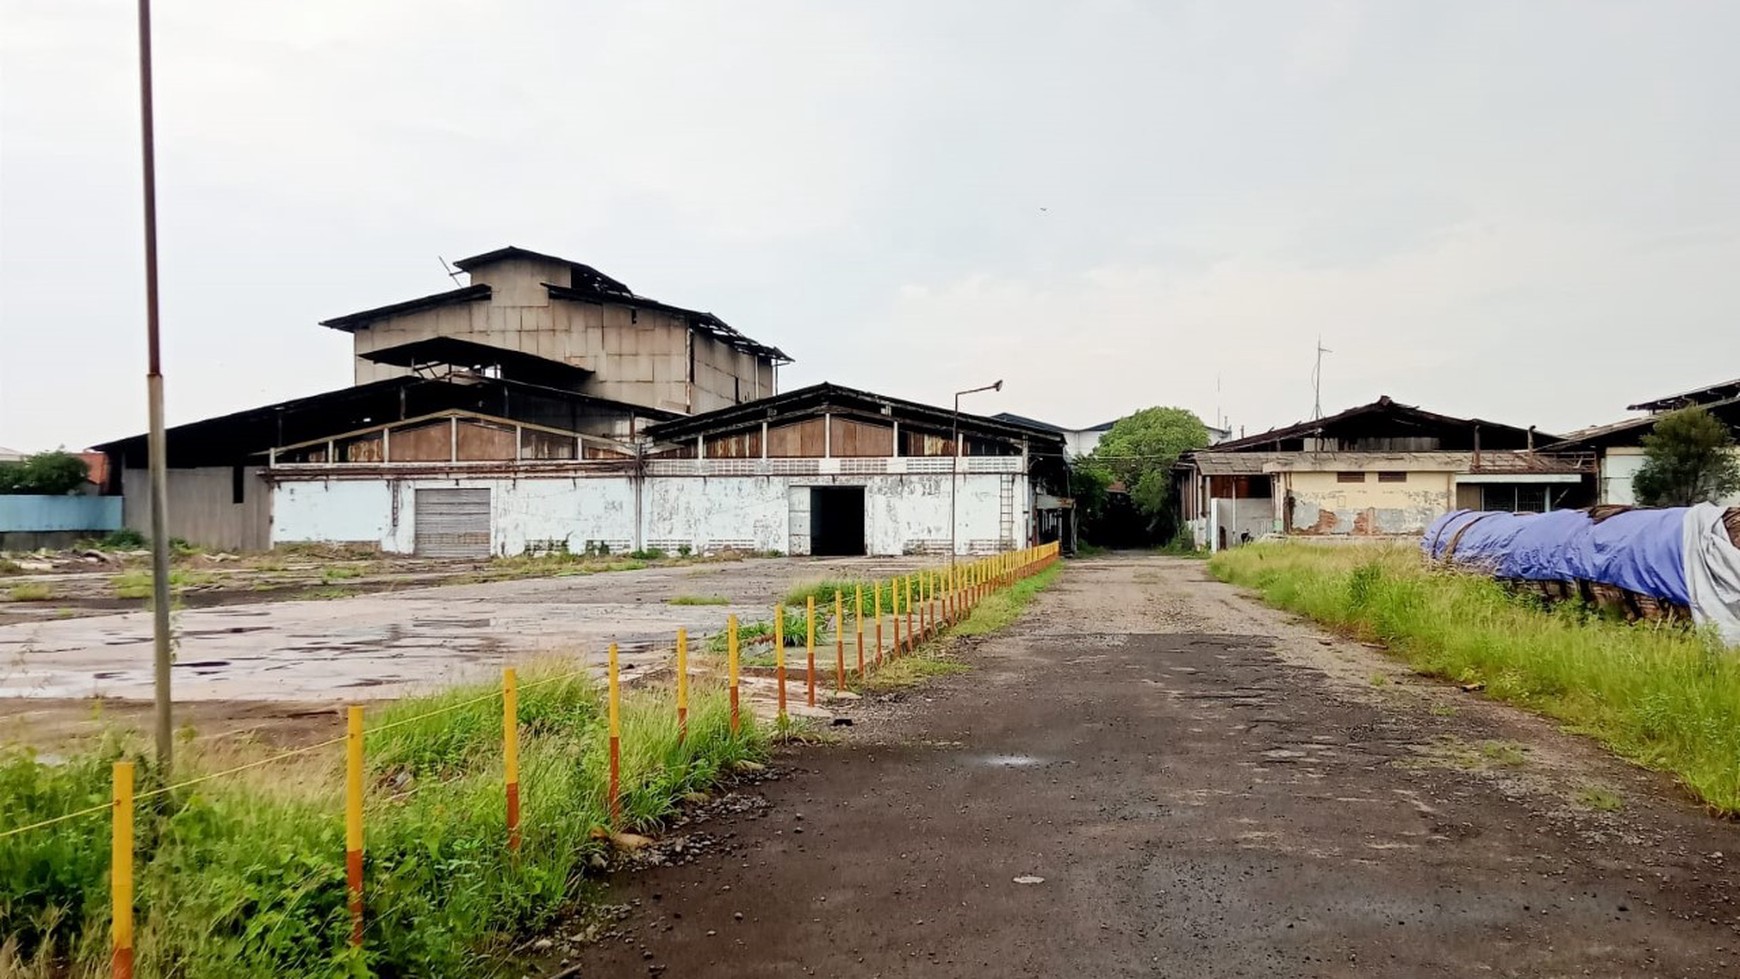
541	319
1378	470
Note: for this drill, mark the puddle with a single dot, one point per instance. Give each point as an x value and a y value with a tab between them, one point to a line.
1010	761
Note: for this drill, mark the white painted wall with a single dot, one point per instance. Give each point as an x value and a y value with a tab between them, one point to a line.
904	513
1619	467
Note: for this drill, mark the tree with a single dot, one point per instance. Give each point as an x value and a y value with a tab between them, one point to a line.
1139	452
44	474
1688	458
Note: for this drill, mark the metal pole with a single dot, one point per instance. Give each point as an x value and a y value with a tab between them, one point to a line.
156	442
954	479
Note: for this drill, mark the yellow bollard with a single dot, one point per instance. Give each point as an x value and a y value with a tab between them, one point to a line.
510	744
894	614
839	643
682	685
858	620
876	599
731	665
121	871
615	741
810	649
911	637
353	821
779	656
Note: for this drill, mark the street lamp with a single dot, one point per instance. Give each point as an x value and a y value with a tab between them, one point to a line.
955	466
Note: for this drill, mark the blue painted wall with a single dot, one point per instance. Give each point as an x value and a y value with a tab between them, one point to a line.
39	513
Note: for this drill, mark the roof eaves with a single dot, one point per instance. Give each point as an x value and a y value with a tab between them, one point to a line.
352	321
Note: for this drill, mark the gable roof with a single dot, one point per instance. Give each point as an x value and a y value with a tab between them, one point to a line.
350	322
825	397
1630	430
1383	411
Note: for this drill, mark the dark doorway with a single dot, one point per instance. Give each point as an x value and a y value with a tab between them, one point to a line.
836	521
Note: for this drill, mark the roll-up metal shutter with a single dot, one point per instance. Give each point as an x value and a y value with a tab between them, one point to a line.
452	523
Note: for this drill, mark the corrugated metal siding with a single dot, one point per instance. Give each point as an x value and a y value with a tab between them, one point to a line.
202	506
38	513
452	523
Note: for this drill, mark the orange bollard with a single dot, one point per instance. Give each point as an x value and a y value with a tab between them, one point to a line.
779	656
615	741
353	821
121	871
731	665
510	751
839	643
876	599
810	649
682	685
858	620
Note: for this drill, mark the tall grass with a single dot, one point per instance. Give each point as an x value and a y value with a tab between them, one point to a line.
1663	695
245	875
823	593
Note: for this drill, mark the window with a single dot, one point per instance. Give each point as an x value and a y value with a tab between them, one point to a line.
238	485
1392	477
1350	477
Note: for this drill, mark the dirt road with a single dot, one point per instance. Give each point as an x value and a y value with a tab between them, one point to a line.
1195	786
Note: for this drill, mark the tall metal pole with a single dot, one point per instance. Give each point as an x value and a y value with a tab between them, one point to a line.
156	443
955	464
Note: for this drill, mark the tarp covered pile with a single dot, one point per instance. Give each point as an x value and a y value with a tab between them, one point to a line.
1677	556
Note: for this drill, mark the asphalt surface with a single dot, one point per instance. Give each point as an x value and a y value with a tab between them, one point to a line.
1152	776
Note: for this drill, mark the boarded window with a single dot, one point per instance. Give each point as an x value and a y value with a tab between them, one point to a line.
1350	477
602	452
743	445
852	437
423	442
1392	476
362	448
486	442
538	446
913	443
306	454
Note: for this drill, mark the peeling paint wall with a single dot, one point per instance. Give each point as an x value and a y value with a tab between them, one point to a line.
1255	517
903	514
1324	505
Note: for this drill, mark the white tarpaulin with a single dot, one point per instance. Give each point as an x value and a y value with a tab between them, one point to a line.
1712	564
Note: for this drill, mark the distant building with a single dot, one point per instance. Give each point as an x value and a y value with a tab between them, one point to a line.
544	406
1079	442
1618	446
1380	469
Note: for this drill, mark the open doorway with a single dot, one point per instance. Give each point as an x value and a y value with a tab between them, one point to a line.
836	521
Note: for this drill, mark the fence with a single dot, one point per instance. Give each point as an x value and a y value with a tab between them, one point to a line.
920	605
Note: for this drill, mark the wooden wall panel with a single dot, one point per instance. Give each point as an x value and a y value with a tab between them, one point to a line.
852	437
363	448
423	442
797	440
486	442
743	445
545	446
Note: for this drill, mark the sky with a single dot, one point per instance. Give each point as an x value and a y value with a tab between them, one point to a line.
1523	212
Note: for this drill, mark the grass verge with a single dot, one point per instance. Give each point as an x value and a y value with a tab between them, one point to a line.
996	611
1662	695
245	875
699	600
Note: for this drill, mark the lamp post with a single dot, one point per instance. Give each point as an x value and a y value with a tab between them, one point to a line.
955	466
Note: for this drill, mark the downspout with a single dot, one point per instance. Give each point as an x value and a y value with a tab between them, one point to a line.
638	478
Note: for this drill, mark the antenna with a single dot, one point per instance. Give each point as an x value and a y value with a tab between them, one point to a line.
451	272
1317	381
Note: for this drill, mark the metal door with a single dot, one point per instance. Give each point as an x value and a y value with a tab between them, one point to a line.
452	523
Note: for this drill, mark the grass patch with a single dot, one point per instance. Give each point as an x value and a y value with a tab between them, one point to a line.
909	671
9	566
1662	695
30	591
1504	754
245	875
332	592
823	593
699	600
1600	799
1000	609
137	584
340	573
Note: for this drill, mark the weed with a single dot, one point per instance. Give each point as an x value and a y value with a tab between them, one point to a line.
699	600
1380	680
823	593
648	554
125	539
1506	754
132	584
245	875
8	566
31	591
326	594
1001	608
684	550
1444	710
908	671
340	573
1653	692
1600	799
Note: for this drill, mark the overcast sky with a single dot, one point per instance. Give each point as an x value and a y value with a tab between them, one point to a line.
1528	212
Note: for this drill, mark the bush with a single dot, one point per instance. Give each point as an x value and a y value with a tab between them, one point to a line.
125	539
44	474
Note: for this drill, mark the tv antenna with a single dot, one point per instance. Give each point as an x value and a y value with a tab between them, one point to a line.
1317	381
451	272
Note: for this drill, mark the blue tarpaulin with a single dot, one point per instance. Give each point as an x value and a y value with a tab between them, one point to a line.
1638	550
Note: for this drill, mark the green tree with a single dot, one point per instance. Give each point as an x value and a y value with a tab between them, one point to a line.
1687	458
44	474
1139	452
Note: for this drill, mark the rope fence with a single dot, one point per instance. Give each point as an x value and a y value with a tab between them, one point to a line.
921	605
